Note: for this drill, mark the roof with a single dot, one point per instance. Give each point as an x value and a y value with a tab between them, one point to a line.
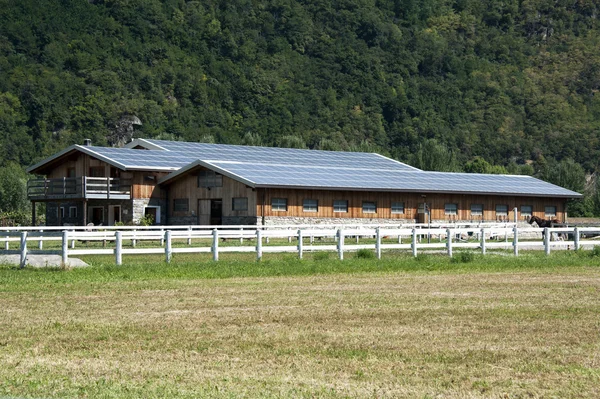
263	167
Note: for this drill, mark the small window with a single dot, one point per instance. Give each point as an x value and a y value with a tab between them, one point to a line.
397	207
423	208
476	209
450	209
72	211
209	178
340	206
97	171
310	205
279	204
239	204
181	205
526	210
550	211
501	210
369	207
71	172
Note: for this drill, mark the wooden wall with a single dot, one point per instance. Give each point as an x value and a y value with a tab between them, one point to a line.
436	203
187	187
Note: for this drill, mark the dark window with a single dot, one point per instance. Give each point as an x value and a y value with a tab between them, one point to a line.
71	172
501	210
310	205
369	207
240	204
181	205
526	210
340	206
97	171
550	211
398	207
476	209
209	178
450	209
279	204
72	211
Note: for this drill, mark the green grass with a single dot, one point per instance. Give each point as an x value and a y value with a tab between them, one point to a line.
493	326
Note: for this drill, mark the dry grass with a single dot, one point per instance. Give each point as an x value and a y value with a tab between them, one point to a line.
510	334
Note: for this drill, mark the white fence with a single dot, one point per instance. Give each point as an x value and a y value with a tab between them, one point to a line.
207	239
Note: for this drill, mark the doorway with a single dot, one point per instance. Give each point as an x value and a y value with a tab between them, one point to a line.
154	212
114	214
96	215
210	212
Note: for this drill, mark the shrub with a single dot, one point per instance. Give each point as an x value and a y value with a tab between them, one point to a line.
364	254
595	252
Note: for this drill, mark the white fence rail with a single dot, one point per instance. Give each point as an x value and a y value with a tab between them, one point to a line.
206	239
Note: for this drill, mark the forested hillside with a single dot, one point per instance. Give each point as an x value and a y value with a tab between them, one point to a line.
476	85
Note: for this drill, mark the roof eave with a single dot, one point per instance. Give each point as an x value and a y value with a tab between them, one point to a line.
182	171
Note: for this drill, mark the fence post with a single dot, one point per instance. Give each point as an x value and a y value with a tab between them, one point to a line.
300	242
118	248
516	240
133	240
378	243
576	238
449	243
23	249
340	236
73	244
483	241
258	244
189	236
215	245
41	242
414	242
162	238
547	240
241	235
65	247
168	251
6	244
290	236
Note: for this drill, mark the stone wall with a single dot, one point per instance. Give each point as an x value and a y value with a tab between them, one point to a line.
139	205
241	220
291	220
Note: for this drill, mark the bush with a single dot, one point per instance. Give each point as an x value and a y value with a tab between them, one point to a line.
364	254
464	257
595	252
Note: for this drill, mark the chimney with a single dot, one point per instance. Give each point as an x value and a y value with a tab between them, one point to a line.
87	142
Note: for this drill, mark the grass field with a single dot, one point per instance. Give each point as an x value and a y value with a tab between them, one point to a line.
400	327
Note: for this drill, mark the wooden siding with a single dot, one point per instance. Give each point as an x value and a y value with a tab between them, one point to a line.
436	203
187	187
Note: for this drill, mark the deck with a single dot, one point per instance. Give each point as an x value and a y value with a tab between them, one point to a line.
78	188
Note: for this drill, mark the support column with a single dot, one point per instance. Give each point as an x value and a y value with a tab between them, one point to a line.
33	221
84	212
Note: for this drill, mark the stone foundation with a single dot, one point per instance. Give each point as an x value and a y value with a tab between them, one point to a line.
139	205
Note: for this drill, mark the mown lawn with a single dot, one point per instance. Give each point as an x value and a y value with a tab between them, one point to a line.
497	326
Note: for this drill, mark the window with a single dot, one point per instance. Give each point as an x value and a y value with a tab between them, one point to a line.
209	178
526	210
72	211
369	207
239	204
397	207
62	212
476	209
310	205
340	206
181	205
450	209
501	210
550	211
279	204
97	171
71	172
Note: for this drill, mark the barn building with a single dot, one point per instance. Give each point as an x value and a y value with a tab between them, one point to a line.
176	183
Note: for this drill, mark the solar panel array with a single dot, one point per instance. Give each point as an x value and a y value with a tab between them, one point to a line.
287	167
400	180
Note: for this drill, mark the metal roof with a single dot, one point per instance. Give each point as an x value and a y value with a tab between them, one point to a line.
312	169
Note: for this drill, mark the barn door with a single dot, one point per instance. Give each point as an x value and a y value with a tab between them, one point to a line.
204	212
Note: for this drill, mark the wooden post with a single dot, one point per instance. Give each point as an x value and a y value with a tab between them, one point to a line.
168	250
215	245
259	252
547	240
414	242
378	243
340	235
483	241
576	238
516	240
118	248
65	248
23	249
449	242
33	222
300	239
189	236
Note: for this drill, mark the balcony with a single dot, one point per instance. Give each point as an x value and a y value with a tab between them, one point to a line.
78	188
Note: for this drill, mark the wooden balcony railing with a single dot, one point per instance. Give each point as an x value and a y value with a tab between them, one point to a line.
78	188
